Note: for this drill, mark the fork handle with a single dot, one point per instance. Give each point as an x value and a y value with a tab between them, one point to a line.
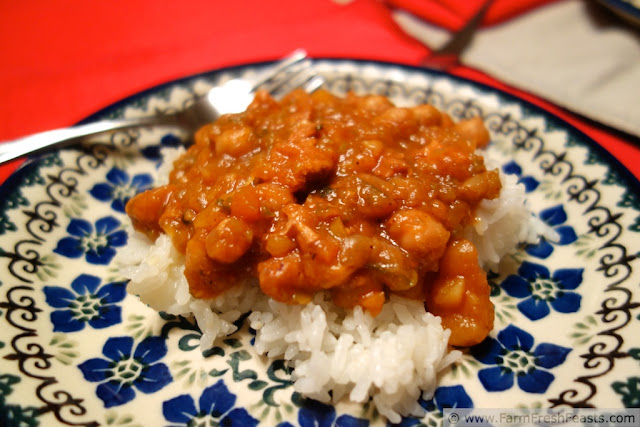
12	150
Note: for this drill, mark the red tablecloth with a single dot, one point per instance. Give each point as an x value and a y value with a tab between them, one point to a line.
61	61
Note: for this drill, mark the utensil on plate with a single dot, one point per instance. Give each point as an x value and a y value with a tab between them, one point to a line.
234	96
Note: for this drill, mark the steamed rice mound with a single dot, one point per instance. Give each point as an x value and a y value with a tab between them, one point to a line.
393	358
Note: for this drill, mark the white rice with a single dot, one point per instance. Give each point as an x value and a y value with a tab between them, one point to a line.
392	359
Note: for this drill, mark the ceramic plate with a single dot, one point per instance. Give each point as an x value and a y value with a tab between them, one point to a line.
627	9
75	349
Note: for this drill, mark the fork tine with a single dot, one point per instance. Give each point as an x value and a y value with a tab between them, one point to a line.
306	78
302	76
314	83
293	58
294	71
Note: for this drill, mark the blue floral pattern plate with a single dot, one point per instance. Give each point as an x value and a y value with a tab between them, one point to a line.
76	349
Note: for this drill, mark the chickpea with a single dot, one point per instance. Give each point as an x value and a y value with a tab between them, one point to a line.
234	142
230	240
427	115
396	116
475	130
375	103
416	230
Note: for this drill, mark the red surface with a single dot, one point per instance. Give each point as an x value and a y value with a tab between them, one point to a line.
61	61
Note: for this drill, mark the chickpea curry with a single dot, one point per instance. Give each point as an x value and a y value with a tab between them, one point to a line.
350	195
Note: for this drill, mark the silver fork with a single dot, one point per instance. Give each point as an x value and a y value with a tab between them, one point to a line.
234	96
448	55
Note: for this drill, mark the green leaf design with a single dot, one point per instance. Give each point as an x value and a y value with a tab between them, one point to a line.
502	146
189	342
466	367
19	415
629	200
112	418
191	339
593	159
31	176
432	419
199	376
49	267
64	349
257	385
234	362
518	257
218	373
277	368
265	412
583	331
505	309
233	343
138	326
6	385
12	201
76	206
629	391
213	351
493	283
114	275
611	177
549	189
587	246
532	405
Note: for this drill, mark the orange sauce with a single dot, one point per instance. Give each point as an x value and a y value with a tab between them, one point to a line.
347	195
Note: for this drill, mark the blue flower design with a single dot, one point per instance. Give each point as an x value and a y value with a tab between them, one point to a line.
540	289
86	302
120	188
215	408
124	370
444	397
152	152
529	182
554	217
515	357
96	244
449	397
317	414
